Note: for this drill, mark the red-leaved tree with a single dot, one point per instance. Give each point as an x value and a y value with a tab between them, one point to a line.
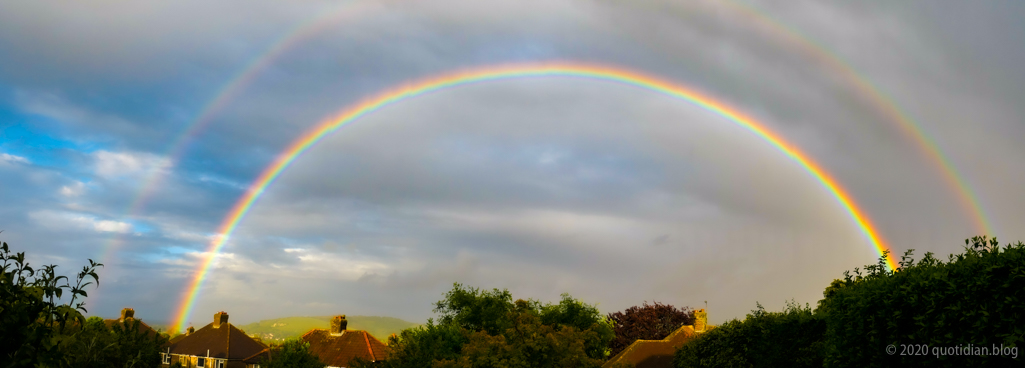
647	322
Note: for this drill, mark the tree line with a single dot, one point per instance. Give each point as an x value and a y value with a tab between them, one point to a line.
973	298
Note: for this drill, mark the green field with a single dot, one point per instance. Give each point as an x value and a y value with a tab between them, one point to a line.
283	328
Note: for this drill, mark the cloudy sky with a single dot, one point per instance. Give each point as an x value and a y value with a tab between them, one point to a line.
128	130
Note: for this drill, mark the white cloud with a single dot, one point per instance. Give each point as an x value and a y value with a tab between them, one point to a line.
125	164
73	190
72	220
12	159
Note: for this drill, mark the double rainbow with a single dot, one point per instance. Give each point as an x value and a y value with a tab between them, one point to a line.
594	72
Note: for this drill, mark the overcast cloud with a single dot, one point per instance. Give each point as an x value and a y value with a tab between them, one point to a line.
613	194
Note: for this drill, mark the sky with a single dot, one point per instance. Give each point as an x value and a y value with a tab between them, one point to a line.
129	130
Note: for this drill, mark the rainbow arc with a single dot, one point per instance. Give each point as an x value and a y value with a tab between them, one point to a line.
571	70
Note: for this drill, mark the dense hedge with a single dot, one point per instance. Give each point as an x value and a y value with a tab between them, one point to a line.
932	313
792	338
976	298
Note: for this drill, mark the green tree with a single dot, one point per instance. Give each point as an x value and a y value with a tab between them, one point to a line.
481	328
294	353
475	309
33	321
527	343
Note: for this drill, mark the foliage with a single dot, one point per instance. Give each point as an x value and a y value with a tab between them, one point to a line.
122	344
417	347
527	343
481	328
976	298
33	322
294	353
647	322
791	338
475	309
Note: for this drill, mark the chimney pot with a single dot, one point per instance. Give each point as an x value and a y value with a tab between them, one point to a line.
220	318
338	325
127	313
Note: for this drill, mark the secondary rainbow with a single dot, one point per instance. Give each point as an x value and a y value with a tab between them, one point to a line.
228	93
885	105
594	72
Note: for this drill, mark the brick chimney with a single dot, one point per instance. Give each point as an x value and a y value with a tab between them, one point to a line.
220	318
190	331
700	320
338	325
127	314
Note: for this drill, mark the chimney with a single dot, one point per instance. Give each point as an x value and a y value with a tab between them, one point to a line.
127	314
338	325
190	331
700	320
220	318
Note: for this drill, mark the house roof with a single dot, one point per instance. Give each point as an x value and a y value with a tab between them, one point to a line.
652	353
337	351
143	327
264	354
225	342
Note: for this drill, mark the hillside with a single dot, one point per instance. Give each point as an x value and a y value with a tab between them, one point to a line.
282	328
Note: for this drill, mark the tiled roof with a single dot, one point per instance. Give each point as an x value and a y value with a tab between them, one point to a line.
261	356
143	327
337	351
652	353
226	342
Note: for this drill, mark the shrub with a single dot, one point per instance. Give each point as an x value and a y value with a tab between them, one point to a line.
975	299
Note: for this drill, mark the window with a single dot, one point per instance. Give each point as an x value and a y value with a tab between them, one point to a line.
165	358
201	362
220	364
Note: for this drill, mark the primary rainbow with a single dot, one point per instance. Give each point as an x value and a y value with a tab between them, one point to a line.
595	72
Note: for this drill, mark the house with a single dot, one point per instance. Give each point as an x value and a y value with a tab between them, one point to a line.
216	345
127	322
338	346
658	353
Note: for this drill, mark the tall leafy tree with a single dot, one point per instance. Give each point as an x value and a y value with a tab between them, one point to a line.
482	328
647	322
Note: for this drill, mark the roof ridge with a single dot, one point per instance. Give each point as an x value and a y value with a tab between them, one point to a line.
312	330
367	339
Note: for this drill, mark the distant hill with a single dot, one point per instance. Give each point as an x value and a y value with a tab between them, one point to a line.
279	329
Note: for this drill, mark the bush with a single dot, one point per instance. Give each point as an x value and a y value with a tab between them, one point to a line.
792	338
975	298
33	323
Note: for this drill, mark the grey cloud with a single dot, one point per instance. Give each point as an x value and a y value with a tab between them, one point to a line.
540	185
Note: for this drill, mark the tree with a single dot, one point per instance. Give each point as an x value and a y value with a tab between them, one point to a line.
475	309
481	328
418	347
527	343
647	322
294	353
33	322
